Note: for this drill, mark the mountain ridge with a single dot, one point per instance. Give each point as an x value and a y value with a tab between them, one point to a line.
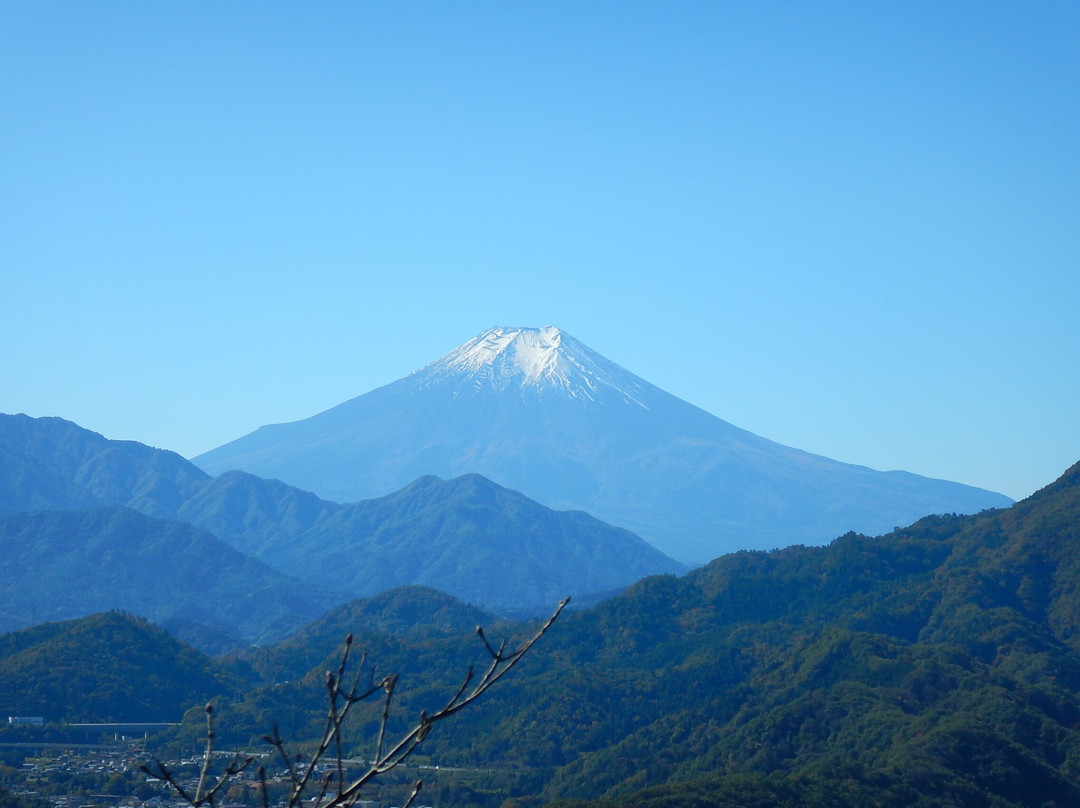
51	462
480	542
63	564
938	664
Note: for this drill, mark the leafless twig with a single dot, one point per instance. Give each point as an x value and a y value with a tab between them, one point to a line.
334	791
203	795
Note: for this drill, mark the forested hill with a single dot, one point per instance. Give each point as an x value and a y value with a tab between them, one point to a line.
936	665
105	667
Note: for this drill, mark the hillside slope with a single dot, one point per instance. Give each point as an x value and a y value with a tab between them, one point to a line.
104	667
468	537
59	565
936	665
50	463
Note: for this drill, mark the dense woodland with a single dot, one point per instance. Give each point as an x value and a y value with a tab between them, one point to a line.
938	665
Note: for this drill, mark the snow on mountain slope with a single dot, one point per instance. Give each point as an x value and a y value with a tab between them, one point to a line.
543	360
537	411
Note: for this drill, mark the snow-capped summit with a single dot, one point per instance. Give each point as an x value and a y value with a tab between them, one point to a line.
531	354
544	360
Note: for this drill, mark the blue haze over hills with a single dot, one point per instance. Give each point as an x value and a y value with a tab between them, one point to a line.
87	522
537	411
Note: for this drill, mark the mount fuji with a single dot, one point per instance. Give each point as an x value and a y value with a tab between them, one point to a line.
538	411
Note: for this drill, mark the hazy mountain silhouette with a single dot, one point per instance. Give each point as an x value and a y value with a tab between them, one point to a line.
537	411
467	536
59	565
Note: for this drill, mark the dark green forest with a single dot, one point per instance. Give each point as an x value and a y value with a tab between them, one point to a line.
937	665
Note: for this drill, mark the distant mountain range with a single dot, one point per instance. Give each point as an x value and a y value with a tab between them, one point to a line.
938	664
91	524
466	536
539	412
59	565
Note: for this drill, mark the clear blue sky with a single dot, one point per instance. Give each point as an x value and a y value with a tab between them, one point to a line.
850	228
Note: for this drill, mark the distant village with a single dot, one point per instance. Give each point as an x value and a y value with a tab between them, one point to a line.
105	771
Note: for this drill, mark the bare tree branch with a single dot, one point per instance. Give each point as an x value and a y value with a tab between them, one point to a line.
202	795
335	791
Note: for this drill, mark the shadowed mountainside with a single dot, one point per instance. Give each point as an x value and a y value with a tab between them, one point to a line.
59	565
467	536
936	665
